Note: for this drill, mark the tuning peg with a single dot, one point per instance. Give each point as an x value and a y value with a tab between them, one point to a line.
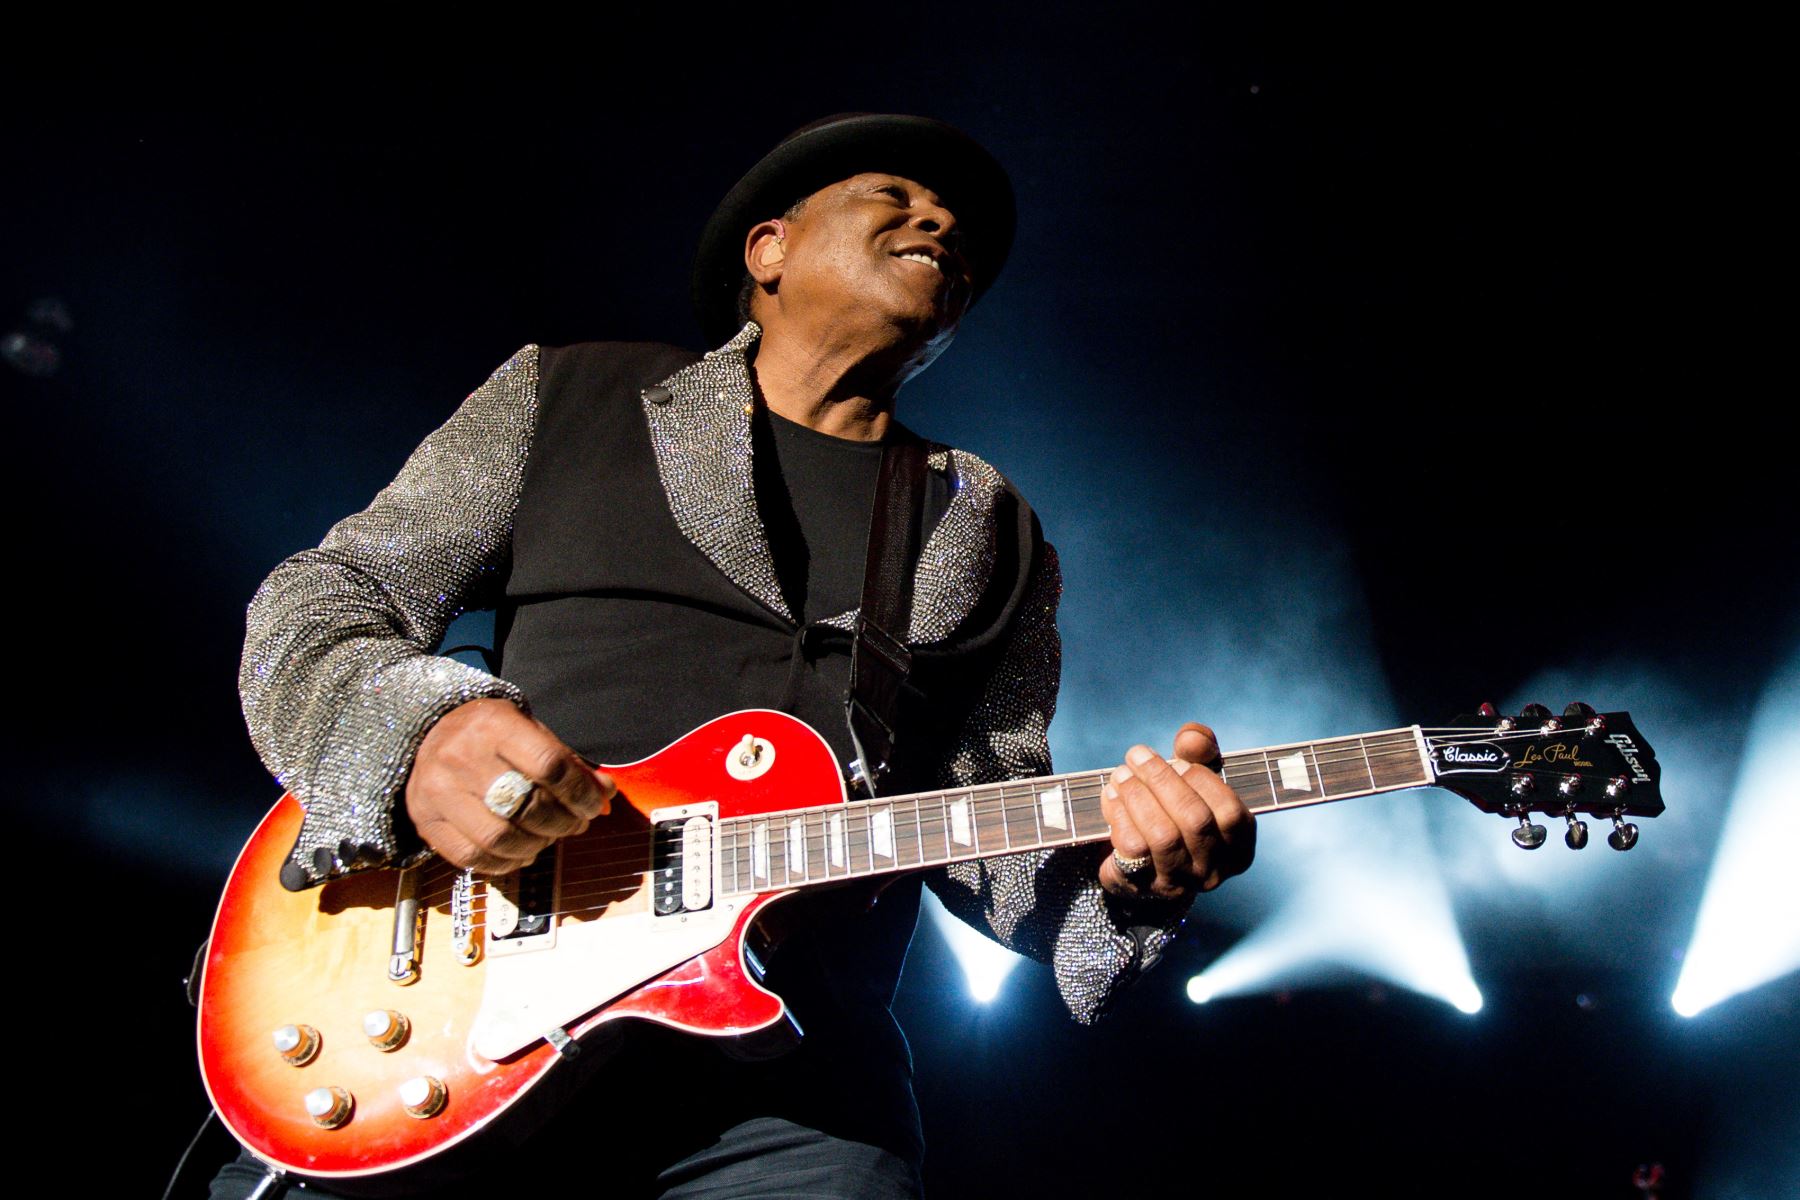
1576	835
1624	835
1537	714
1528	836
1592	723
1487	710
1615	787
1524	783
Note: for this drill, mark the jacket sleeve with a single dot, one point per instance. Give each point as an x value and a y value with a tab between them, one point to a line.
1046	904
338	681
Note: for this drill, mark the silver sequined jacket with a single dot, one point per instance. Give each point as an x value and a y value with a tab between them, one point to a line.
340	683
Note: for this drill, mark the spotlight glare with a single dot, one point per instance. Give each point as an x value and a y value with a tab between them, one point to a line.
1467	999
985	962
1748	929
1197	990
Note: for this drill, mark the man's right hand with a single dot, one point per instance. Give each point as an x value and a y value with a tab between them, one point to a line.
470	747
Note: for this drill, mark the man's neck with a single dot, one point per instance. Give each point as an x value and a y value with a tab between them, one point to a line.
840	390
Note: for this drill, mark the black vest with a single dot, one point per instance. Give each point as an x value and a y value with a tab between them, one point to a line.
624	636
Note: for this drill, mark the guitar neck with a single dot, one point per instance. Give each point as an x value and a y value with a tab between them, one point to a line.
818	846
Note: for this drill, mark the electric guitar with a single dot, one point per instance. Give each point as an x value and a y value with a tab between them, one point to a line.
371	1024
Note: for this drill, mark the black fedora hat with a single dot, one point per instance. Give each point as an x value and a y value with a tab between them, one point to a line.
969	180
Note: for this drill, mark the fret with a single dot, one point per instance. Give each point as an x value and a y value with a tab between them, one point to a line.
961	828
1090	819
1363	745
936	834
759	852
856	840
1051	813
728	858
1319	777
796	849
837	847
881	837
988	806
908	846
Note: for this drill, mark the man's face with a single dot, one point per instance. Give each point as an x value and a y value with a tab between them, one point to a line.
880	246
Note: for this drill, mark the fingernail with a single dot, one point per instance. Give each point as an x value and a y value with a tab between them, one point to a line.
1121	774
1139	755
1110	792
1183	766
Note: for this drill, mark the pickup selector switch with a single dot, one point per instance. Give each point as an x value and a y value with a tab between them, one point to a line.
297	1044
386	1029
423	1096
329	1107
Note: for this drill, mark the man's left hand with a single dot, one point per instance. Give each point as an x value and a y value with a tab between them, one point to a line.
1181	817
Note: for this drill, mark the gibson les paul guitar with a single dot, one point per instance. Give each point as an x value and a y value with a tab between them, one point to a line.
371	1024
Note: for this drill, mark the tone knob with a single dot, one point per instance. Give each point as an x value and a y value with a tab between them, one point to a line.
329	1107
297	1044
386	1029
423	1096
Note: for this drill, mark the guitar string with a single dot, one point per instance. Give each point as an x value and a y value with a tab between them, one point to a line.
1017	796
1004	805
857	833
1381	748
856	839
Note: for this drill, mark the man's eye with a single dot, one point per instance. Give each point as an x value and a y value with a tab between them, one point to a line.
894	190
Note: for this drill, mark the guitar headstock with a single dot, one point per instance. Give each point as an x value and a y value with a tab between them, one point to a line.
1582	762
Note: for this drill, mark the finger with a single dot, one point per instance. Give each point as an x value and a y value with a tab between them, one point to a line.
541	757
1175	822
1233	847
1127	842
1196	743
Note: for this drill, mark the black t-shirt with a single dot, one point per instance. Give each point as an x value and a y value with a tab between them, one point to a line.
815	493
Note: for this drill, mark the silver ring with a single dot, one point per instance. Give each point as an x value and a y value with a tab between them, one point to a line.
507	795
1129	867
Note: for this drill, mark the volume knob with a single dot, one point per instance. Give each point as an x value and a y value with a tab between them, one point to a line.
385	1028
329	1107
423	1096
297	1044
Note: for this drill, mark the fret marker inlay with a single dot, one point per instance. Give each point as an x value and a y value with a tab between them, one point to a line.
1294	777
881	831
1054	803
959	822
839	850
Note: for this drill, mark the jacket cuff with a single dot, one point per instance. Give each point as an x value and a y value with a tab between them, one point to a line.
356	821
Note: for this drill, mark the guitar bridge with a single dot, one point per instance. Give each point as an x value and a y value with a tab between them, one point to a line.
681	859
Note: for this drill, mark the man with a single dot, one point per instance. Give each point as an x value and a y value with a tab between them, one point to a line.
668	537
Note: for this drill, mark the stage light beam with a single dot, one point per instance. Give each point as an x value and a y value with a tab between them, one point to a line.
985	962
1747	932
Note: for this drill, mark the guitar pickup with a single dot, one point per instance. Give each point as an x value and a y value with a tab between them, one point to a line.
681	860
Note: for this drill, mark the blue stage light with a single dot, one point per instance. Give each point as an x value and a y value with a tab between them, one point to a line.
985	962
1748	929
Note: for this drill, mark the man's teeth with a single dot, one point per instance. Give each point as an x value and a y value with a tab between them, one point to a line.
923	258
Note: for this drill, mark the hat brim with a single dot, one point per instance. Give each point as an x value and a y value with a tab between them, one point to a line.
968	179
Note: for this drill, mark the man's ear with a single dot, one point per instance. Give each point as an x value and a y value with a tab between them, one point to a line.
765	251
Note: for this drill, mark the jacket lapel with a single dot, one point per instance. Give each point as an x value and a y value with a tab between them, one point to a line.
700	432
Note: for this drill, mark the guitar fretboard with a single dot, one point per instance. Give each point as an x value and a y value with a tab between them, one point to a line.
928	829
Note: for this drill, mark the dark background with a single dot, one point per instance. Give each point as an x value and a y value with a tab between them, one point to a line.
1361	371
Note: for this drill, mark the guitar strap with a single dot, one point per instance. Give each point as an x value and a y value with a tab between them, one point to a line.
879	659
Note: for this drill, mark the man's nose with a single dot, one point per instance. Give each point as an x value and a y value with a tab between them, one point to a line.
940	222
